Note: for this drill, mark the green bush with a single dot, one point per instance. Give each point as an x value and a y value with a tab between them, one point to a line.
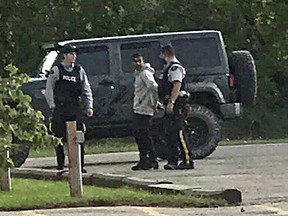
17	118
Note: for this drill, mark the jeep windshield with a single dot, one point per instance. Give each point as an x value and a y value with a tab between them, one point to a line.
45	64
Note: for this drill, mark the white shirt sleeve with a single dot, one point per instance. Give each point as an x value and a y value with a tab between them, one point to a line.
176	73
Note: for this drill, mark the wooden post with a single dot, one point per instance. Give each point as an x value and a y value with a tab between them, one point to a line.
5	173
75	174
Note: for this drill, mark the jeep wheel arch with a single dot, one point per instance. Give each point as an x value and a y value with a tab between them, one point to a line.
242	66
206	87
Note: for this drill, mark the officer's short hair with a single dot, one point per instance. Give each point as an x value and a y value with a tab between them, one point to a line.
137	55
168	50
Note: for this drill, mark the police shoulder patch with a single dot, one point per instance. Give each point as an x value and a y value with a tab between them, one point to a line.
174	68
50	72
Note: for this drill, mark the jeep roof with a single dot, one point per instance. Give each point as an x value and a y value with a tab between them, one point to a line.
202	33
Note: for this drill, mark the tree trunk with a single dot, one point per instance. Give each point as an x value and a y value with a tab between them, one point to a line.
5	173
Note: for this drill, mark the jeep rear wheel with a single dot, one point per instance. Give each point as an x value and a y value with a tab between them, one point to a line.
242	66
20	152
202	130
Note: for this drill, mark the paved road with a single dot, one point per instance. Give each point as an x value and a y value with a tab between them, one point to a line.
256	210
258	171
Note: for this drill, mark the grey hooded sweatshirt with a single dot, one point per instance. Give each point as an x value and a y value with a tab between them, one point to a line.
146	91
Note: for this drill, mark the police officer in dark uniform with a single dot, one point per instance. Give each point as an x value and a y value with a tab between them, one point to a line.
171	85
68	92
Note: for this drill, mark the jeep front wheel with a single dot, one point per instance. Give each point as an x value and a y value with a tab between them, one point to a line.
20	152
202	130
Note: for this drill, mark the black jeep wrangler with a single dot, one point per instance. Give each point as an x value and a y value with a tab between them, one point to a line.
219	84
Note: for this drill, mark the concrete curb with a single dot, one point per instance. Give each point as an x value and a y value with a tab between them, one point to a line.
232	196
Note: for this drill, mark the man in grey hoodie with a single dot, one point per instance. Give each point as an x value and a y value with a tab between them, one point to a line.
145	102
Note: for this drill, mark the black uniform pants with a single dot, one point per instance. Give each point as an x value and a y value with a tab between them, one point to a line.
59	119
173	124
143	137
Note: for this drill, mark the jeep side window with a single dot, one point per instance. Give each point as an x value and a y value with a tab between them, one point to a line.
197	52
94	59
149	50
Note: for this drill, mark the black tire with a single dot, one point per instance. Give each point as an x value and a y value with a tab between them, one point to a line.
202	130
242	66
20	152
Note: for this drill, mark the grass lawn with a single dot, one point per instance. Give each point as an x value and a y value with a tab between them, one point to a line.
128	144
94	147
33	194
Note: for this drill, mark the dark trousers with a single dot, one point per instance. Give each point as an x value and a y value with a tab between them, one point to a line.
61	155
176	141
59	130
143	137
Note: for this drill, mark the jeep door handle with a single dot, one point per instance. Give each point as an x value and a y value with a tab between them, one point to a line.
106	82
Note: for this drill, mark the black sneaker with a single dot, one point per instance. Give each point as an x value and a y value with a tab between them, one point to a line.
140	166
155	165
184	166
84	170
170	166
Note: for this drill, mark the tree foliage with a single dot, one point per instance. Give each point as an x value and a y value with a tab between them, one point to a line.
258	25
18	120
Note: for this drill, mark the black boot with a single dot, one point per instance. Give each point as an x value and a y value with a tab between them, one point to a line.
146	162
183	166
143	164
60	157
155	164
82	157
152	160
140	166
171	165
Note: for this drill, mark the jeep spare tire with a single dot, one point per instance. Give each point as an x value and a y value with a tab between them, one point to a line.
202	130
242	67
